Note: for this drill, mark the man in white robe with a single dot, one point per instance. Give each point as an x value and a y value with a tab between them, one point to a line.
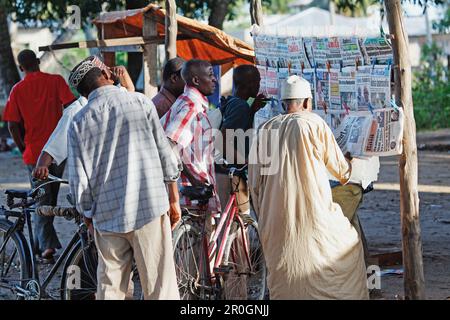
311	249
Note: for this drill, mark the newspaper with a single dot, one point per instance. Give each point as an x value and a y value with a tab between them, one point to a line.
351	52
363	76
322	89
380	86
271	109
261	49
272	51
364	134
334	119
282	52
377	50
335	97
310	76
386	133
320	52
347	89
282	75
272	82
352	134
307	43
262	83
297	54
334	55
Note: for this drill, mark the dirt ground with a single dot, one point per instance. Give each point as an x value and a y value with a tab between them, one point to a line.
379	213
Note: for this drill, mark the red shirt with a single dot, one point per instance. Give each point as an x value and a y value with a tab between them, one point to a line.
37	102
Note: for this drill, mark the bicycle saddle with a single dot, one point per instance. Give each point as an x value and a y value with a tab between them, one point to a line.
17	193
197	193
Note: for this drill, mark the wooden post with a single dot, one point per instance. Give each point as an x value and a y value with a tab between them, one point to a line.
256	12
409	198
109	58
150	56
171	30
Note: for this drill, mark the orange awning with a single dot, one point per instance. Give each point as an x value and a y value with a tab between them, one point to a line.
205	42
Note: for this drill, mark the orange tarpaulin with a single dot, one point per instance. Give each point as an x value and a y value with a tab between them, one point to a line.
206	42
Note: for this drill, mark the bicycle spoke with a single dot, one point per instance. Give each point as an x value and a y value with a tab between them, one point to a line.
9	263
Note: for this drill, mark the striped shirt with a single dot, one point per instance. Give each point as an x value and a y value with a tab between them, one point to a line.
187	124
119	159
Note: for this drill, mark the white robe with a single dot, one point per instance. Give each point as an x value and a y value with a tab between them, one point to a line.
310	247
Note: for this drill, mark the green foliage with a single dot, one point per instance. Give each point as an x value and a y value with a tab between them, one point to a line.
54	13
431	90
354	8
200	9
443	26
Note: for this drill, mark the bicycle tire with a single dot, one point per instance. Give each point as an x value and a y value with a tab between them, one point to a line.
241	277
79	277
24	256
87	264
186	249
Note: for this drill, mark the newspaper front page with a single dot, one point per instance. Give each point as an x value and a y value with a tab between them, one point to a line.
322	89
335	96
380	86
347	89
363	77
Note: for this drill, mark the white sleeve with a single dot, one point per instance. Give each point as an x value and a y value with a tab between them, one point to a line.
56	145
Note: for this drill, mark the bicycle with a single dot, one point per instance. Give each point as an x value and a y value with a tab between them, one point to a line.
229	266
19	269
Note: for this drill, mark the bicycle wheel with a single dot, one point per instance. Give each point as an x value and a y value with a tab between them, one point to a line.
79	277
244	281
15	261
186	250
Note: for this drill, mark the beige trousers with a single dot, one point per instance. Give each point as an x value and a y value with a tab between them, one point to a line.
349	198
151	248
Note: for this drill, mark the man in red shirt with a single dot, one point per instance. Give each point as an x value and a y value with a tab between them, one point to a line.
33	110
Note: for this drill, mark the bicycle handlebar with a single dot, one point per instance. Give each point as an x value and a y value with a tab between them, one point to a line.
50	179
232	170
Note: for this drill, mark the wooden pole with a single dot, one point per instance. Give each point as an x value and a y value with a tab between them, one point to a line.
256	12
409	198
109	58
171	30
150	56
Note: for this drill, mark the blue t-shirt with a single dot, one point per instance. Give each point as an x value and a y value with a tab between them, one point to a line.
236	114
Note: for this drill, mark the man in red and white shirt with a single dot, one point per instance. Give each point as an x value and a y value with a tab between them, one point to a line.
33	110
187	125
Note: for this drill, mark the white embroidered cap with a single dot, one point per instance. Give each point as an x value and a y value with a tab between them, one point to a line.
295	87
77	75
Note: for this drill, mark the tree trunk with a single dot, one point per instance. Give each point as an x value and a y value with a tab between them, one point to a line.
219	11
256	12
9	75
171	29
409	198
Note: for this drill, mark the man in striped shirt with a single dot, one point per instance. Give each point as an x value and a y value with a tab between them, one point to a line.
187	126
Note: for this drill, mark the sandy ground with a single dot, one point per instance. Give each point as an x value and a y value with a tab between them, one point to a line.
380	216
